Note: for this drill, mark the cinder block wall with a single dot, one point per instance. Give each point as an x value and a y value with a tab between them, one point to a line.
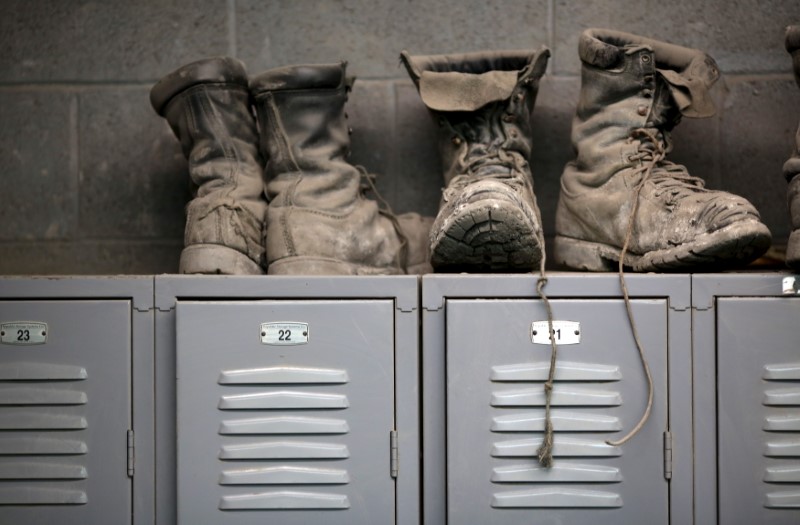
93	181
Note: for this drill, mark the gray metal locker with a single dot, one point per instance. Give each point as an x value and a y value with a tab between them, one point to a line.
484	366
747	409
297	399
76	420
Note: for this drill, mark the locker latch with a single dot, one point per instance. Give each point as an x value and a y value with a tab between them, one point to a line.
791	286
668	455
131	453
393	456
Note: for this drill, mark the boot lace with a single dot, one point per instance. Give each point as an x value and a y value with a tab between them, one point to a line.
368	184
481	163
668	177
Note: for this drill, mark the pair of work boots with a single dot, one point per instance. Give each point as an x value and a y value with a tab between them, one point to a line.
620	198
301	212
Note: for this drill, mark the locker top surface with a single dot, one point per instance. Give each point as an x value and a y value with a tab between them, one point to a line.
705	287
435	288
171	288
138	288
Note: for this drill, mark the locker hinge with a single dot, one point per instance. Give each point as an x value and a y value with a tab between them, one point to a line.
393	457
131	453
668	455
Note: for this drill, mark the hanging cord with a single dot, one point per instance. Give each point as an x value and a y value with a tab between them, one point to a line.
655	157
545	452
387	212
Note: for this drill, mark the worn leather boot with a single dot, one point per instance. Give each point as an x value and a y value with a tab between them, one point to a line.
634	90
488	220
319	222
791	169
207	105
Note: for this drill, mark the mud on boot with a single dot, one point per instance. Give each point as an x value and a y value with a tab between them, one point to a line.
488	219
319	221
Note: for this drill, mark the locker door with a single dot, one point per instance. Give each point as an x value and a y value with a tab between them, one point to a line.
274	431
758	360
495	415
65	411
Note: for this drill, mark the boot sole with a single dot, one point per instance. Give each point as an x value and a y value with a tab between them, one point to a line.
213	259
488	236
323	266
732	246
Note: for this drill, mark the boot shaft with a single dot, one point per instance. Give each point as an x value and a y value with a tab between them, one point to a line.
629	83
305	136
483	104
208	102
793	47
207	105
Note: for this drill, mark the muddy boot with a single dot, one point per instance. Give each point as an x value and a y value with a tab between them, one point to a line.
633	92
207	105
791	169
488	220
319	222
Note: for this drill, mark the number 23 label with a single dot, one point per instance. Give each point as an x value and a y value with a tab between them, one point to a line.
284	333
23	333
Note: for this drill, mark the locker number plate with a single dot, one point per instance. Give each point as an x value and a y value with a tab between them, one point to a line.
23	333
566	332
284	333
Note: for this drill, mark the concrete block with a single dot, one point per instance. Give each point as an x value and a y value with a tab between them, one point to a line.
89	257
38	155
371	34
117	40
742	36
416	164
758	123
134	177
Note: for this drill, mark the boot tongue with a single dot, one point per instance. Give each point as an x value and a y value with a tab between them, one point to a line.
690	87
451	91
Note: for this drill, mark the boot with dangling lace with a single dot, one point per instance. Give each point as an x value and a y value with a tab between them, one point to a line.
621	191
488	219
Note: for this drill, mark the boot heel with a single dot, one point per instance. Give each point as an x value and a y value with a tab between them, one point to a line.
217	259
584	255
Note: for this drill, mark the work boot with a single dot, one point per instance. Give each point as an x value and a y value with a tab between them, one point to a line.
319	222
634	90
791	169
207	105
488	220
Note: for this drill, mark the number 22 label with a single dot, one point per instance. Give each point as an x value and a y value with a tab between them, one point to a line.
284	333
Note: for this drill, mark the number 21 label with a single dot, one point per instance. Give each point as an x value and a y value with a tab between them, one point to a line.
565	332
284	333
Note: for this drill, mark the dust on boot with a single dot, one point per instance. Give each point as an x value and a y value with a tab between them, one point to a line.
207	105
634	90
488	218
791	170
319	222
